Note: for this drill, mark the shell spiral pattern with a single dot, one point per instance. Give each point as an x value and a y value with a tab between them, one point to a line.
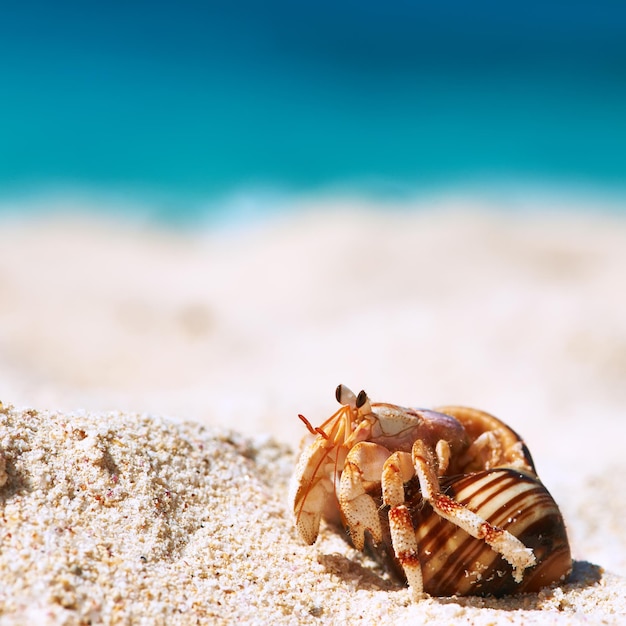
454	563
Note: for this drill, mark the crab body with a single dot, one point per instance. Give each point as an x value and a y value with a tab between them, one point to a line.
420	489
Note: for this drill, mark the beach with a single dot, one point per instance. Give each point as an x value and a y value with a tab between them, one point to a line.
151	382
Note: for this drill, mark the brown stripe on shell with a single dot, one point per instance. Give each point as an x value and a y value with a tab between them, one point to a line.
454	563
486	491
470	561
454	549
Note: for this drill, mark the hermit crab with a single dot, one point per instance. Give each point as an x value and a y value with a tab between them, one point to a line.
447	499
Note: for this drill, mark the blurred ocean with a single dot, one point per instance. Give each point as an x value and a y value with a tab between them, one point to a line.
181	107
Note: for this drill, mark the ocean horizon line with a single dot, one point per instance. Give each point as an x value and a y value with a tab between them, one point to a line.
256	203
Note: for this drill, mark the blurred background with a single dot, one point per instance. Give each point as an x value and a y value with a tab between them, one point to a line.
180	109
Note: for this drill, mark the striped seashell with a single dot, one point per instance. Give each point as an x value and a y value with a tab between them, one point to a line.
454	563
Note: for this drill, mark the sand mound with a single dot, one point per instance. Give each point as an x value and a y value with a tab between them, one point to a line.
123	518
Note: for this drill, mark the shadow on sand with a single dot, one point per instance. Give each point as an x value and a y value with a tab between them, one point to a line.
584	574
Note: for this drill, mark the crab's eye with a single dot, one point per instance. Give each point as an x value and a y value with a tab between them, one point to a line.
361	399
338	393
345	396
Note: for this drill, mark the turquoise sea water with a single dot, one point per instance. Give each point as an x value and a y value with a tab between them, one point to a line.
182	105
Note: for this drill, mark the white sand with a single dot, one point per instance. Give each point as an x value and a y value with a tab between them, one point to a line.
523	316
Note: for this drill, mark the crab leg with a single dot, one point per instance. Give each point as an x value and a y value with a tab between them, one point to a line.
364	463
503	542
398	469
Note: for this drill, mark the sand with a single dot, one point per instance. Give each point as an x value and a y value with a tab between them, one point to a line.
163	373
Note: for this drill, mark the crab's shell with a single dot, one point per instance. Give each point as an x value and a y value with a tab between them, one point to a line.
502	488
454	563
